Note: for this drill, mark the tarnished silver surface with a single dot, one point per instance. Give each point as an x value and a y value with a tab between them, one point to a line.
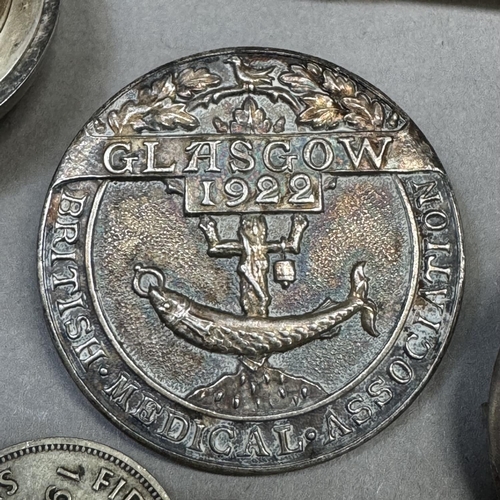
25	31
71	469
251	259
4	11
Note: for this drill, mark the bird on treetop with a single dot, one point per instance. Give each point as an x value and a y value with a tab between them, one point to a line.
249	76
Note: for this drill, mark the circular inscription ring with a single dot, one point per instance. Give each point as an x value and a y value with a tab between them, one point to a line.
67	469
251	260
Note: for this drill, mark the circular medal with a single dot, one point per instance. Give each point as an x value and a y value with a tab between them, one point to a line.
69	469
251	260
25	31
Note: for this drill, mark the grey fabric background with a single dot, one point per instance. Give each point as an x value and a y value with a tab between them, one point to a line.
439	61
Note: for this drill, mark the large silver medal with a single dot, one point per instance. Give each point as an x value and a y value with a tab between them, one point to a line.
251	260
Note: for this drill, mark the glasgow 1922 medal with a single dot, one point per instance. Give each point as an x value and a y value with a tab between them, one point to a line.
26	28
251	260
72	469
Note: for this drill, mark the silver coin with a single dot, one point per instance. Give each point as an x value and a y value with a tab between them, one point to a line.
26	28
70	469
251	260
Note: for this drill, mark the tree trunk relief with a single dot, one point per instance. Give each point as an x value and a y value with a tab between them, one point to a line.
253	249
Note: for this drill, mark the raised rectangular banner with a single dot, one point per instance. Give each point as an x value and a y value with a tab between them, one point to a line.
279	192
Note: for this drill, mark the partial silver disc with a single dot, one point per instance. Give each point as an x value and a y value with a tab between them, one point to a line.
494	424
26	28
71	469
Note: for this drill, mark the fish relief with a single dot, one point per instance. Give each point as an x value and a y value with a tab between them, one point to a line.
251	259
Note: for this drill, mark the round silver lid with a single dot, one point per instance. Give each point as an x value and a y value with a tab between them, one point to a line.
25	31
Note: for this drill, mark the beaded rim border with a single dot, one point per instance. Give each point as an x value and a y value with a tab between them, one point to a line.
91	448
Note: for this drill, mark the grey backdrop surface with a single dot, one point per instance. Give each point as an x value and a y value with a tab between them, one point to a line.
439	61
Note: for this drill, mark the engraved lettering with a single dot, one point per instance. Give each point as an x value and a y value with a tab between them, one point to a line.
52	493
436	246
219	441
66	232
61	280
125	163
276	164
400	371
237	190
426	193
207	188
117	489
71	205
71	303
427	323
377	390
431	296
318	154
203	151
148	410
89	352
268	189
431	268
335	427
176	427
361	413
416	348
121	390
76	328
240	151
7	482
56	254
151	166
102	479
74	476
198	433
285	163
300	185
435	220
255	444
366	147
286	447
